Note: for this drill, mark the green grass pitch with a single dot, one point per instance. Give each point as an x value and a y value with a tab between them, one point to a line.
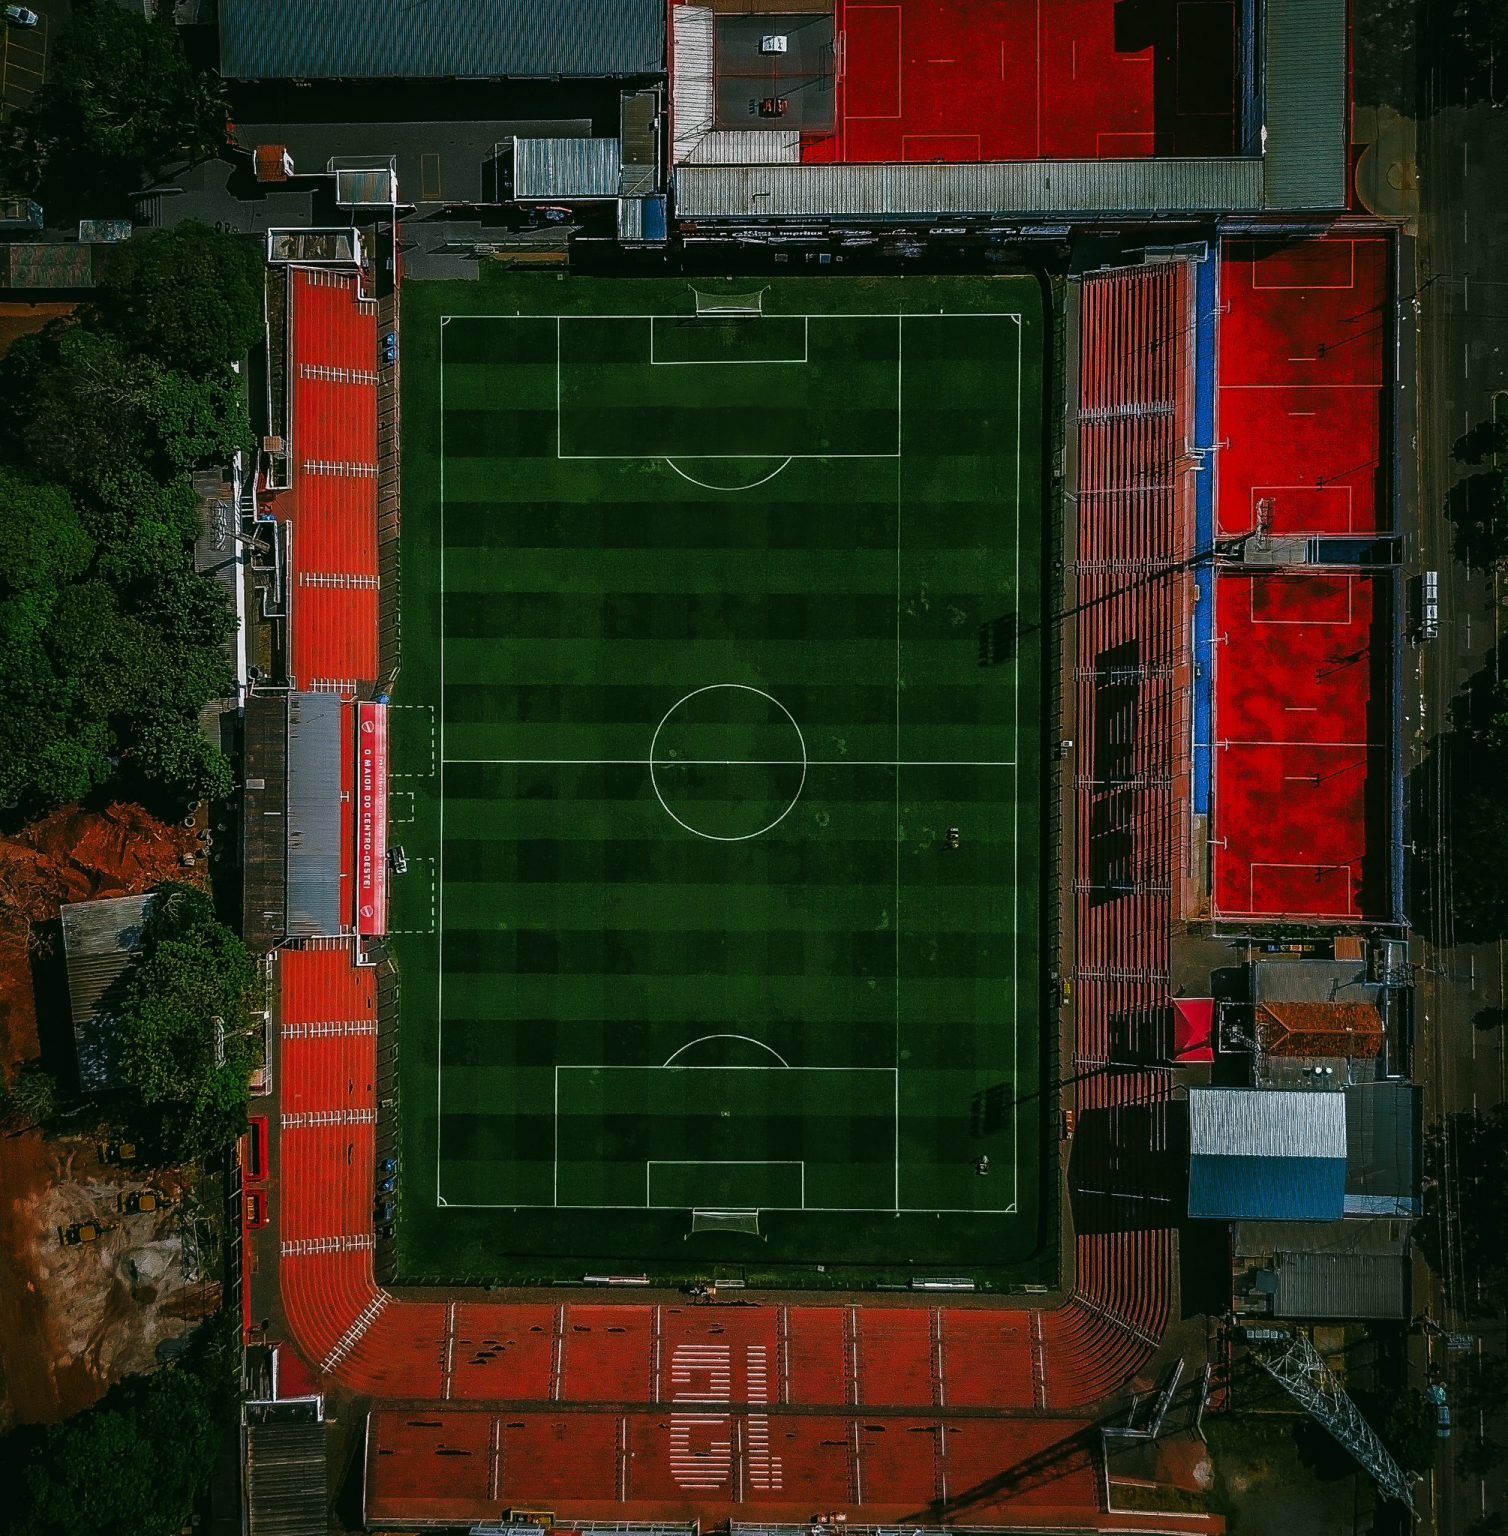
714	629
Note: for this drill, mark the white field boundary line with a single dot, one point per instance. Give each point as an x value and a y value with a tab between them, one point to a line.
729	362
1013	764
651	1163
731	762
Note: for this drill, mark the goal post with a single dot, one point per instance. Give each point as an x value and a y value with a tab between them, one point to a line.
729	303
726	1221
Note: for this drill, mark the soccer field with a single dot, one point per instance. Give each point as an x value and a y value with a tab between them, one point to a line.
719	762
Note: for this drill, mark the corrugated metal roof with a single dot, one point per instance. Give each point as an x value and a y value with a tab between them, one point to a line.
1382	1138
264	821
286	1472
101	941
1339	1285
439	39
1267	1122
1305	155
314	747
1002	187
566	168
1266	1154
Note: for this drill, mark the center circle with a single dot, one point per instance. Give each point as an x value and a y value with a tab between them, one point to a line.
727	762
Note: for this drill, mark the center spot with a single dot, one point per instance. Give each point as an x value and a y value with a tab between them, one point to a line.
727	762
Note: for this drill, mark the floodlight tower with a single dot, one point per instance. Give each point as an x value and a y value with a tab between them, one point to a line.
1298	1368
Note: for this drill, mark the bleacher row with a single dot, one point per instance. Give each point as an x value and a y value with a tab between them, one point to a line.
333	549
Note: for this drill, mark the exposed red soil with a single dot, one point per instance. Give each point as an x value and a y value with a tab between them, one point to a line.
71	856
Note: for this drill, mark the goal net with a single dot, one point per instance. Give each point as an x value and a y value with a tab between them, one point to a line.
725	1221
729	303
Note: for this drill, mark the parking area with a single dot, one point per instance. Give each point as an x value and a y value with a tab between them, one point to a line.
23	61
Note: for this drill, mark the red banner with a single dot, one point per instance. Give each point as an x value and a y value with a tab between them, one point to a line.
371	819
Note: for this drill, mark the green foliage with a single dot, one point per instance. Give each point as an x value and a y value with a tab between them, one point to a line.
31	1099
1466	1206
113	642
1409	1431
43	544
190	297
135	1464
120	104
1478	1455
1478	506
84	410
194	982
1488	438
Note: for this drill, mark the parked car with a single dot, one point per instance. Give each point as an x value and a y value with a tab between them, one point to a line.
19	16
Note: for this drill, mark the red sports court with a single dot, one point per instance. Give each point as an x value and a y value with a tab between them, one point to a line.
1304	330
1302	722
976	80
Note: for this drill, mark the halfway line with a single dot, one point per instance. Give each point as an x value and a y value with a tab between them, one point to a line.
736	762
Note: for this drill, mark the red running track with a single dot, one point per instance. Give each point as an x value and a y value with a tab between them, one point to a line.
1302	721
769	1412
332	381
972	80
1303	342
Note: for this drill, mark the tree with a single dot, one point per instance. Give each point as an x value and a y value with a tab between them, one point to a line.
189	297
43	545
135	1464
184	1025
1466	1205
1478	505
176	753
32	1099
1407	1427
1490	1018
119	105
1488	438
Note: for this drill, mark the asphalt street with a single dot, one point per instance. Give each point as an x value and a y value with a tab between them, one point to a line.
1461	285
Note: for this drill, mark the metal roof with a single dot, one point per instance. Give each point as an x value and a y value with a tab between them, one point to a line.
264	821
566	168
1382	1139
314	762
1000	187
286	1470
1266	1122
1305	161
439	39
1339	1285
1266	1154
101	941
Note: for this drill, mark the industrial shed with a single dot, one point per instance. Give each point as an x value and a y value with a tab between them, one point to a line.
1267	1154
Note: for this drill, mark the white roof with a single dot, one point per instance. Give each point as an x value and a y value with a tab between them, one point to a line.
1267	1122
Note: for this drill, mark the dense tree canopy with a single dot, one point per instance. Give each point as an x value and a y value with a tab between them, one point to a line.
113	641
1466	1206
136	1463
120	103
186	1036
189	297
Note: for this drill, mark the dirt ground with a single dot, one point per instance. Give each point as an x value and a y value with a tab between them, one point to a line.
21	319
72	1321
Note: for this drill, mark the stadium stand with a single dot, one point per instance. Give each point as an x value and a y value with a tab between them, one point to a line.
333	384
772	1425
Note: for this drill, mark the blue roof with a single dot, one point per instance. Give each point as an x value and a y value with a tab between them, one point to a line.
1223	1187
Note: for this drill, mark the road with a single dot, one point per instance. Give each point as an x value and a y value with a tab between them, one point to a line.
1461	279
